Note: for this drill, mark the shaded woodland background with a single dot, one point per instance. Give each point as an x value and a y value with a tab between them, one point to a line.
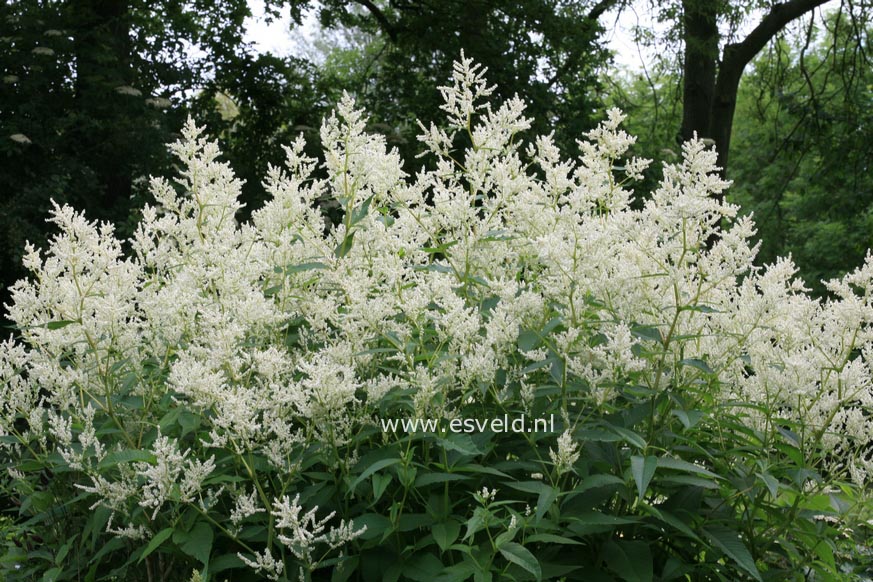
92	90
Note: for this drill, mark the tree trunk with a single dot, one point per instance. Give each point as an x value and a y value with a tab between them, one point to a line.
724	104
710	98
701	36
104	70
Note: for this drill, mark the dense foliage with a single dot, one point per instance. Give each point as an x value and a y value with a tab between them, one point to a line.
213	402
806	108
548	52
91	92
801	149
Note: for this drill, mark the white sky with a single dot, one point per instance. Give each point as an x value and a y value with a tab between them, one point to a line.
278	38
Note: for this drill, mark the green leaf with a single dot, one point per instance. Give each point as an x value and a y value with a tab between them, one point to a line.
631	560
643	469
107	548
674	569
589	522
697	363
406	475
518	554
688	480
629	436
64	550
126	456
771	482
378	526
595	481
155	543
537	365
189	422
730	543
496	235
436	267
553	324
792	452
647	332
445	533
535	487
548	538
460	572
700	307
680	465
197	543
380	483
544	502
359	213
825	553
476	522
480	469
528	340
791	436
225	562
414	521
688	418
422	568
597	435
345	568
59	324
441	249
169	419
345	246
94	527
557	370
672	521
431	478
377	466
462	443
506	537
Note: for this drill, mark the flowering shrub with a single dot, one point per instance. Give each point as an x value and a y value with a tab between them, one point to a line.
210	401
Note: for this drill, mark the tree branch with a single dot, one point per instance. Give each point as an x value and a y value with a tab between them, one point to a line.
738	55
385	24
591	18
598	9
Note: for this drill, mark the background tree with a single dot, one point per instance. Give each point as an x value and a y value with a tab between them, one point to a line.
804	148
549	52
801	148
711	42
94	89
711	80
92	92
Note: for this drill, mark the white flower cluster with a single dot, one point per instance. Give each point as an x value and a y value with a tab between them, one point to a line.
566	455
305	531
264	563
172	471
281	331
172	476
